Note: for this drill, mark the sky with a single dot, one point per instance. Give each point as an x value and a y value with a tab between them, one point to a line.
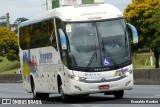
30	8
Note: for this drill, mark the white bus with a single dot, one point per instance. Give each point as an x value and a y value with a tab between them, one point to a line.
77	50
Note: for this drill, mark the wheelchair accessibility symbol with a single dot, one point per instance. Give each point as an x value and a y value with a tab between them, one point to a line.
106	61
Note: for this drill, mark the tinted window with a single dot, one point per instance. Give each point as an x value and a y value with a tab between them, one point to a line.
38	35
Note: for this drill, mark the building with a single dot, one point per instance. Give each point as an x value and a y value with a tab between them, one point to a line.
51	4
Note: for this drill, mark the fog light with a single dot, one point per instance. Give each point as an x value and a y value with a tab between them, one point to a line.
127	83
78	88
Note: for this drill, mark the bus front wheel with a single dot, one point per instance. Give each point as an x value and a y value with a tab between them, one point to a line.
63	95
119	94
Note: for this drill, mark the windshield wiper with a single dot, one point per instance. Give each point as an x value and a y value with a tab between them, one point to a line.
107	53
91	60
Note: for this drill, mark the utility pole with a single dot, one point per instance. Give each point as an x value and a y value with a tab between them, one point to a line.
46	5
7	20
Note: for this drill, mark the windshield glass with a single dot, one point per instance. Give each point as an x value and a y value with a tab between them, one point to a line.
101	44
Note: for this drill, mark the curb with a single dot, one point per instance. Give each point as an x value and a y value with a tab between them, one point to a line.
11	78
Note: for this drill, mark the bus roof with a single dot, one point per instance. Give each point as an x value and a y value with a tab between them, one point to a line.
78	13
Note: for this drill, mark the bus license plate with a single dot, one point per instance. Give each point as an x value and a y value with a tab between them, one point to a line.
102	87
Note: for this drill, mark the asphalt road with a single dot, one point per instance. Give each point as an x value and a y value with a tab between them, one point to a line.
140	92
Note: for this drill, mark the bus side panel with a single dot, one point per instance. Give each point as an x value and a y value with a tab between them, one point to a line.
25	70
43	64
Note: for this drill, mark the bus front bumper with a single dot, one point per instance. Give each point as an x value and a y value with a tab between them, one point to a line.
74	87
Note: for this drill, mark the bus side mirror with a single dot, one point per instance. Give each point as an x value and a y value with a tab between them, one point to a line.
62	39
134	33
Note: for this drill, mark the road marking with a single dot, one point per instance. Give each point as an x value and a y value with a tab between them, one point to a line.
78	105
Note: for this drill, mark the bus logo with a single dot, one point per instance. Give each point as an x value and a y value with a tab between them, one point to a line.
103	80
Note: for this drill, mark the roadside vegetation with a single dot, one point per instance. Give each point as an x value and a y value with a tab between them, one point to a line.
141	60
8	67
145	16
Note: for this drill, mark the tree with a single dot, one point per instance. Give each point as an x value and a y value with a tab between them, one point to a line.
139	13
17	22
156	42
8	44
3	21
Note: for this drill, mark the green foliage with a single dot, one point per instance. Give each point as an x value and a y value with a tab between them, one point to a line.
139	14
8	67
3	23
156	26
8	44
142	60
19	20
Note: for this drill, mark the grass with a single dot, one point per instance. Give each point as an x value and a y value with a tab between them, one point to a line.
142	61
145	67
8	67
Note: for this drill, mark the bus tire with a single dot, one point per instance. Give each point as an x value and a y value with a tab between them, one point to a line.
63	95
119	94
38	96
35	95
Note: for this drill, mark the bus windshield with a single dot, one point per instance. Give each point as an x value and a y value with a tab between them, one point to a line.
102	44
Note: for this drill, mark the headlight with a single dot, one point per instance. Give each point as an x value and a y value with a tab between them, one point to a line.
128	73
77	78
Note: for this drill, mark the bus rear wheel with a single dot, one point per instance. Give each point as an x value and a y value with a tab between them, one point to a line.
119	94
36	95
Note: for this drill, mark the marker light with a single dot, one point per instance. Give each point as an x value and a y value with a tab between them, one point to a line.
128	73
